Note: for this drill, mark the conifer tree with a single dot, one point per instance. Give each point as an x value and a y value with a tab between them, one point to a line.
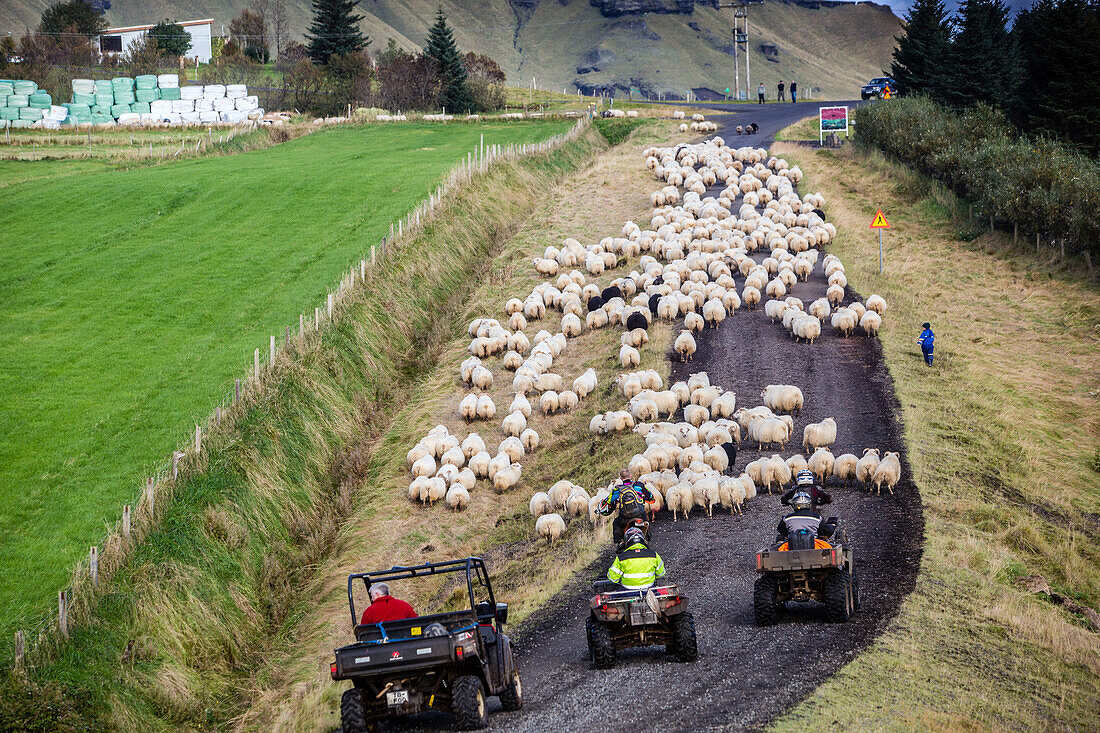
334	30
919	58
454	95
981	63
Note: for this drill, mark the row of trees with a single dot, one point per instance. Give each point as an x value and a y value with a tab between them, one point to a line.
1039	69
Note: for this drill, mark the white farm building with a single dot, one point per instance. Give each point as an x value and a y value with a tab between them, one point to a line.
118	40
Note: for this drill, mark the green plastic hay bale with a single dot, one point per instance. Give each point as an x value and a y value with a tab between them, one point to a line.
30	113
146	95
103	86
140	108
170	94
18	100
40	100
145	81
119	109
122	82
104	100
85	99
25	88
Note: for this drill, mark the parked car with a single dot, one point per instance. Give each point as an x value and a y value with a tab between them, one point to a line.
877	86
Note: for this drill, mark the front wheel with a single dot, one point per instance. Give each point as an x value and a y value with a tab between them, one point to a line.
686	647
512	696
765	607
468	703
601	645
838	596
353	714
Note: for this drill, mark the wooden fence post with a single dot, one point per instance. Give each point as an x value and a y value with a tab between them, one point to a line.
20	650
218	415
271	351
93	565
316	319
372	255
330	304
237	391
363	270
198	439
126	522
301	324
63	612
256	364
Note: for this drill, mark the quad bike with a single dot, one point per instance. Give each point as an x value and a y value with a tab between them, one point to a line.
804	568
622	619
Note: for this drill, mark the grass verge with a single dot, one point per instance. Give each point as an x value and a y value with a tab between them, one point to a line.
136	296
1002	437
177	633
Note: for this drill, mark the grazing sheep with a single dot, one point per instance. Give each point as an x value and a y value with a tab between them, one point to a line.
717	459
820	309
598	424
877	304
844	321
521	405
844	468
481	378
479	464
643	410
467	407
774	309
418	486
417	452
866	466
559	492
549	382
696	415
437	491
549	402
819	435
530	440
714	313
870	323
637	337
694	323
783	398
453	457
724	406
750	296
540	504
629	357
457	497
550	526
514	424
685	346
768	431
486	408
619	421
585	384
835	294
821	464
511	447
507	478
567	400
571	325
425	466
577	503
888	472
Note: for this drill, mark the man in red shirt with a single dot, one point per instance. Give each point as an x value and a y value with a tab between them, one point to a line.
384	607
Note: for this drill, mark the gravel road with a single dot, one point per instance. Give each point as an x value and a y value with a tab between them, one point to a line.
745	676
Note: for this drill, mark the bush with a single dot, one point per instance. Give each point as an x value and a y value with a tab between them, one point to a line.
1039	184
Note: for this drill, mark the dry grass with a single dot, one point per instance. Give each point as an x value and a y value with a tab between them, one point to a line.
1002	437
295	693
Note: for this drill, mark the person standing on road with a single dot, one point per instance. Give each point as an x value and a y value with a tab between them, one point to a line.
794	92
781	98
927	341
760	93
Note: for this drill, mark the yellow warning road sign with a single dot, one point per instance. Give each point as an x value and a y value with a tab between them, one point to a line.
880	221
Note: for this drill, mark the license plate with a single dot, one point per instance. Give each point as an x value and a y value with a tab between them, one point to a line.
397	698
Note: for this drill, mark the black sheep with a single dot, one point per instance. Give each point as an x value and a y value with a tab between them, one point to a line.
820	213
595	303
653	299
659	280
731	453
611	292
636	320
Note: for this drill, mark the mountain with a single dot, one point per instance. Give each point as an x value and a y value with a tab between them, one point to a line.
652	46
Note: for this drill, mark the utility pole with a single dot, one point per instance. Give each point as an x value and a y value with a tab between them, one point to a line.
741	41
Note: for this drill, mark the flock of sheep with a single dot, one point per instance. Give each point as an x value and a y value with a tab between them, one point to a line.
687	260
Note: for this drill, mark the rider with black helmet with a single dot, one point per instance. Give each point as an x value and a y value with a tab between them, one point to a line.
804	524
636	566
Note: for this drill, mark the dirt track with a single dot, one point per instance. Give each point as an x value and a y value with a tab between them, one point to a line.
745	676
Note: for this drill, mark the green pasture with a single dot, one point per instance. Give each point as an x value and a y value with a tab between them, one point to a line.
132	298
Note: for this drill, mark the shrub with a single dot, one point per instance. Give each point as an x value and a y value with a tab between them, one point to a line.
1039	184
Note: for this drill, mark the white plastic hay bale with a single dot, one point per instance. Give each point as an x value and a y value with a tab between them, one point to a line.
191	93
160	107
57	113
47	124
234	117
129	118
236	91
204	105
207	117
223	105
189	118
257	114
247	104
183	105
213	91
149	118
168	81
173	118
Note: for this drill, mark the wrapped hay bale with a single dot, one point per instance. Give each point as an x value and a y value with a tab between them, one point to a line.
191	93
168	81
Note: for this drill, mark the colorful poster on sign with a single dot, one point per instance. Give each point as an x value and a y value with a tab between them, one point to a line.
833	119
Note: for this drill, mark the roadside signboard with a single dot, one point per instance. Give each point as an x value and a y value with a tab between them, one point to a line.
880	223
832	119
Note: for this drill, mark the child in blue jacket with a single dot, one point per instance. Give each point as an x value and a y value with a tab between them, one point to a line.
927	342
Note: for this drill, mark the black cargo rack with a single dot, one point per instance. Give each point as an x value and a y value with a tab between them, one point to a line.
471	566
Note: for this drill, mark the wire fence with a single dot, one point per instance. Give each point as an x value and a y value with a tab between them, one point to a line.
139	518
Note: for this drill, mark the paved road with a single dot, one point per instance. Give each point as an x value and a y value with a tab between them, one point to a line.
745	676
770	117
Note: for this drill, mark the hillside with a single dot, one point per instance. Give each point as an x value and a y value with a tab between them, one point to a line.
650	45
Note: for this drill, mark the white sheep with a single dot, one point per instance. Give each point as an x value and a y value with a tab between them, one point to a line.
507	478
514	424
559	492
870	323
540	504
629	357
550	526
750	296
577	502
530	440
685	346
821	464
694	323
521	405
486	408
472	445
867	465
876	303
467	407
888	471
585	384
454	457
549	402
425	466
479	464
783	398
844	467
680	499
457	497
819	435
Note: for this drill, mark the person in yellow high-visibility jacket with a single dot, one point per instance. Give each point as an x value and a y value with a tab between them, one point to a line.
636	566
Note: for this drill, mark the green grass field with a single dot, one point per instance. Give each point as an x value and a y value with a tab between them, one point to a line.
134	297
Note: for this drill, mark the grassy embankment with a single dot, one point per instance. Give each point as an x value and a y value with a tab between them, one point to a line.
295	692
1002	436
136	296
229	571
